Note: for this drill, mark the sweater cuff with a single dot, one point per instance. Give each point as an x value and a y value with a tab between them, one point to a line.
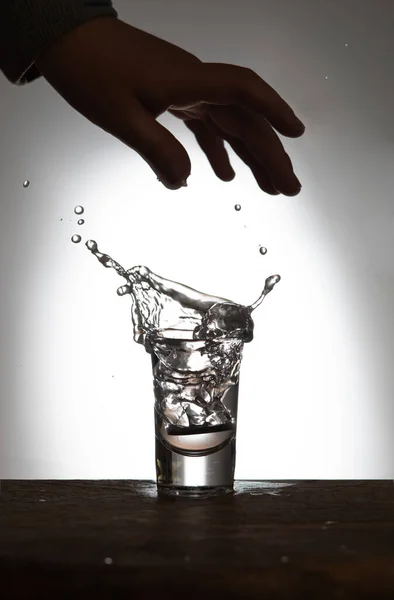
29	27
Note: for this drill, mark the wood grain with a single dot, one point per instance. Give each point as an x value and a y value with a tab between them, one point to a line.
117	539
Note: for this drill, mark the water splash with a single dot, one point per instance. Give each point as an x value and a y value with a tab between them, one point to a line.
162	304
196	338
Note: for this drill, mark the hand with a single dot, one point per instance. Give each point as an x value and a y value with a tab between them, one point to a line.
122	79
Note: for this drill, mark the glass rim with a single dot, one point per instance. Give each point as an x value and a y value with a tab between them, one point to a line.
158	337
176	339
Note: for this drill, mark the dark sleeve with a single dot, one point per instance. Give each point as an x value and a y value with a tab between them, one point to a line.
28	27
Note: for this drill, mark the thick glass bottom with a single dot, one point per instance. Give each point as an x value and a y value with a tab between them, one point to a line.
195	475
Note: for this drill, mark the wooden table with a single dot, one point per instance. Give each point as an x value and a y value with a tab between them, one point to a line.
117	539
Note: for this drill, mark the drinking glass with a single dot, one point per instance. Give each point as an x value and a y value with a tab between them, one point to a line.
195	417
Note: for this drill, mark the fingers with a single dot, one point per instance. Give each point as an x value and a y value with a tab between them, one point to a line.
261	142
213	147
223	84
159	148
210	138
259	172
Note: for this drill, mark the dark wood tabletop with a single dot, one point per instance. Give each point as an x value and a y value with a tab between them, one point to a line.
118	539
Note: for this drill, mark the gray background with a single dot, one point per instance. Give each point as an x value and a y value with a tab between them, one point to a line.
317	387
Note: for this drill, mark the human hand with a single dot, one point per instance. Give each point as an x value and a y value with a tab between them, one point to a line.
122	79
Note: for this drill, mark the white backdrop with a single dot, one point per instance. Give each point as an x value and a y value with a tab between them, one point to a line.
317	387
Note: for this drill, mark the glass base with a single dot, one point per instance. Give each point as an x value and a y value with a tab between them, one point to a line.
193	492
195	475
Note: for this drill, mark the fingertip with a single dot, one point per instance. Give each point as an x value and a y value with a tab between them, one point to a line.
293	193
175	185
290	129
226	175
299	129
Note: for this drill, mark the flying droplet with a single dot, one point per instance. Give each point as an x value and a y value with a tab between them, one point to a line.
271	281
346	45
81	221
79	210
237	207
108	560
123	290
326	77
76	238
26	183
263	250
91	245
61	219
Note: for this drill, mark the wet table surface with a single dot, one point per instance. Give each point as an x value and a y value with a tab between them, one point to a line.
117	539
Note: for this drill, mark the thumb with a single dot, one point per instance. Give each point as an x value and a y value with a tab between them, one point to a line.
159	148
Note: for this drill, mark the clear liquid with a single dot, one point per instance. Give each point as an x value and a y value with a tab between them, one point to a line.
196	343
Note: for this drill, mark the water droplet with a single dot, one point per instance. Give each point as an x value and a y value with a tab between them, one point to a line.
187	558
26	183
61	219
81	221
91	245
42	500
284	559
76	238
108	560
346	45
263	250
326	77
123	290
237	207
79	210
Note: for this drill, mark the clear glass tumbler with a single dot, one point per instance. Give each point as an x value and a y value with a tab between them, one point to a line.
195	418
